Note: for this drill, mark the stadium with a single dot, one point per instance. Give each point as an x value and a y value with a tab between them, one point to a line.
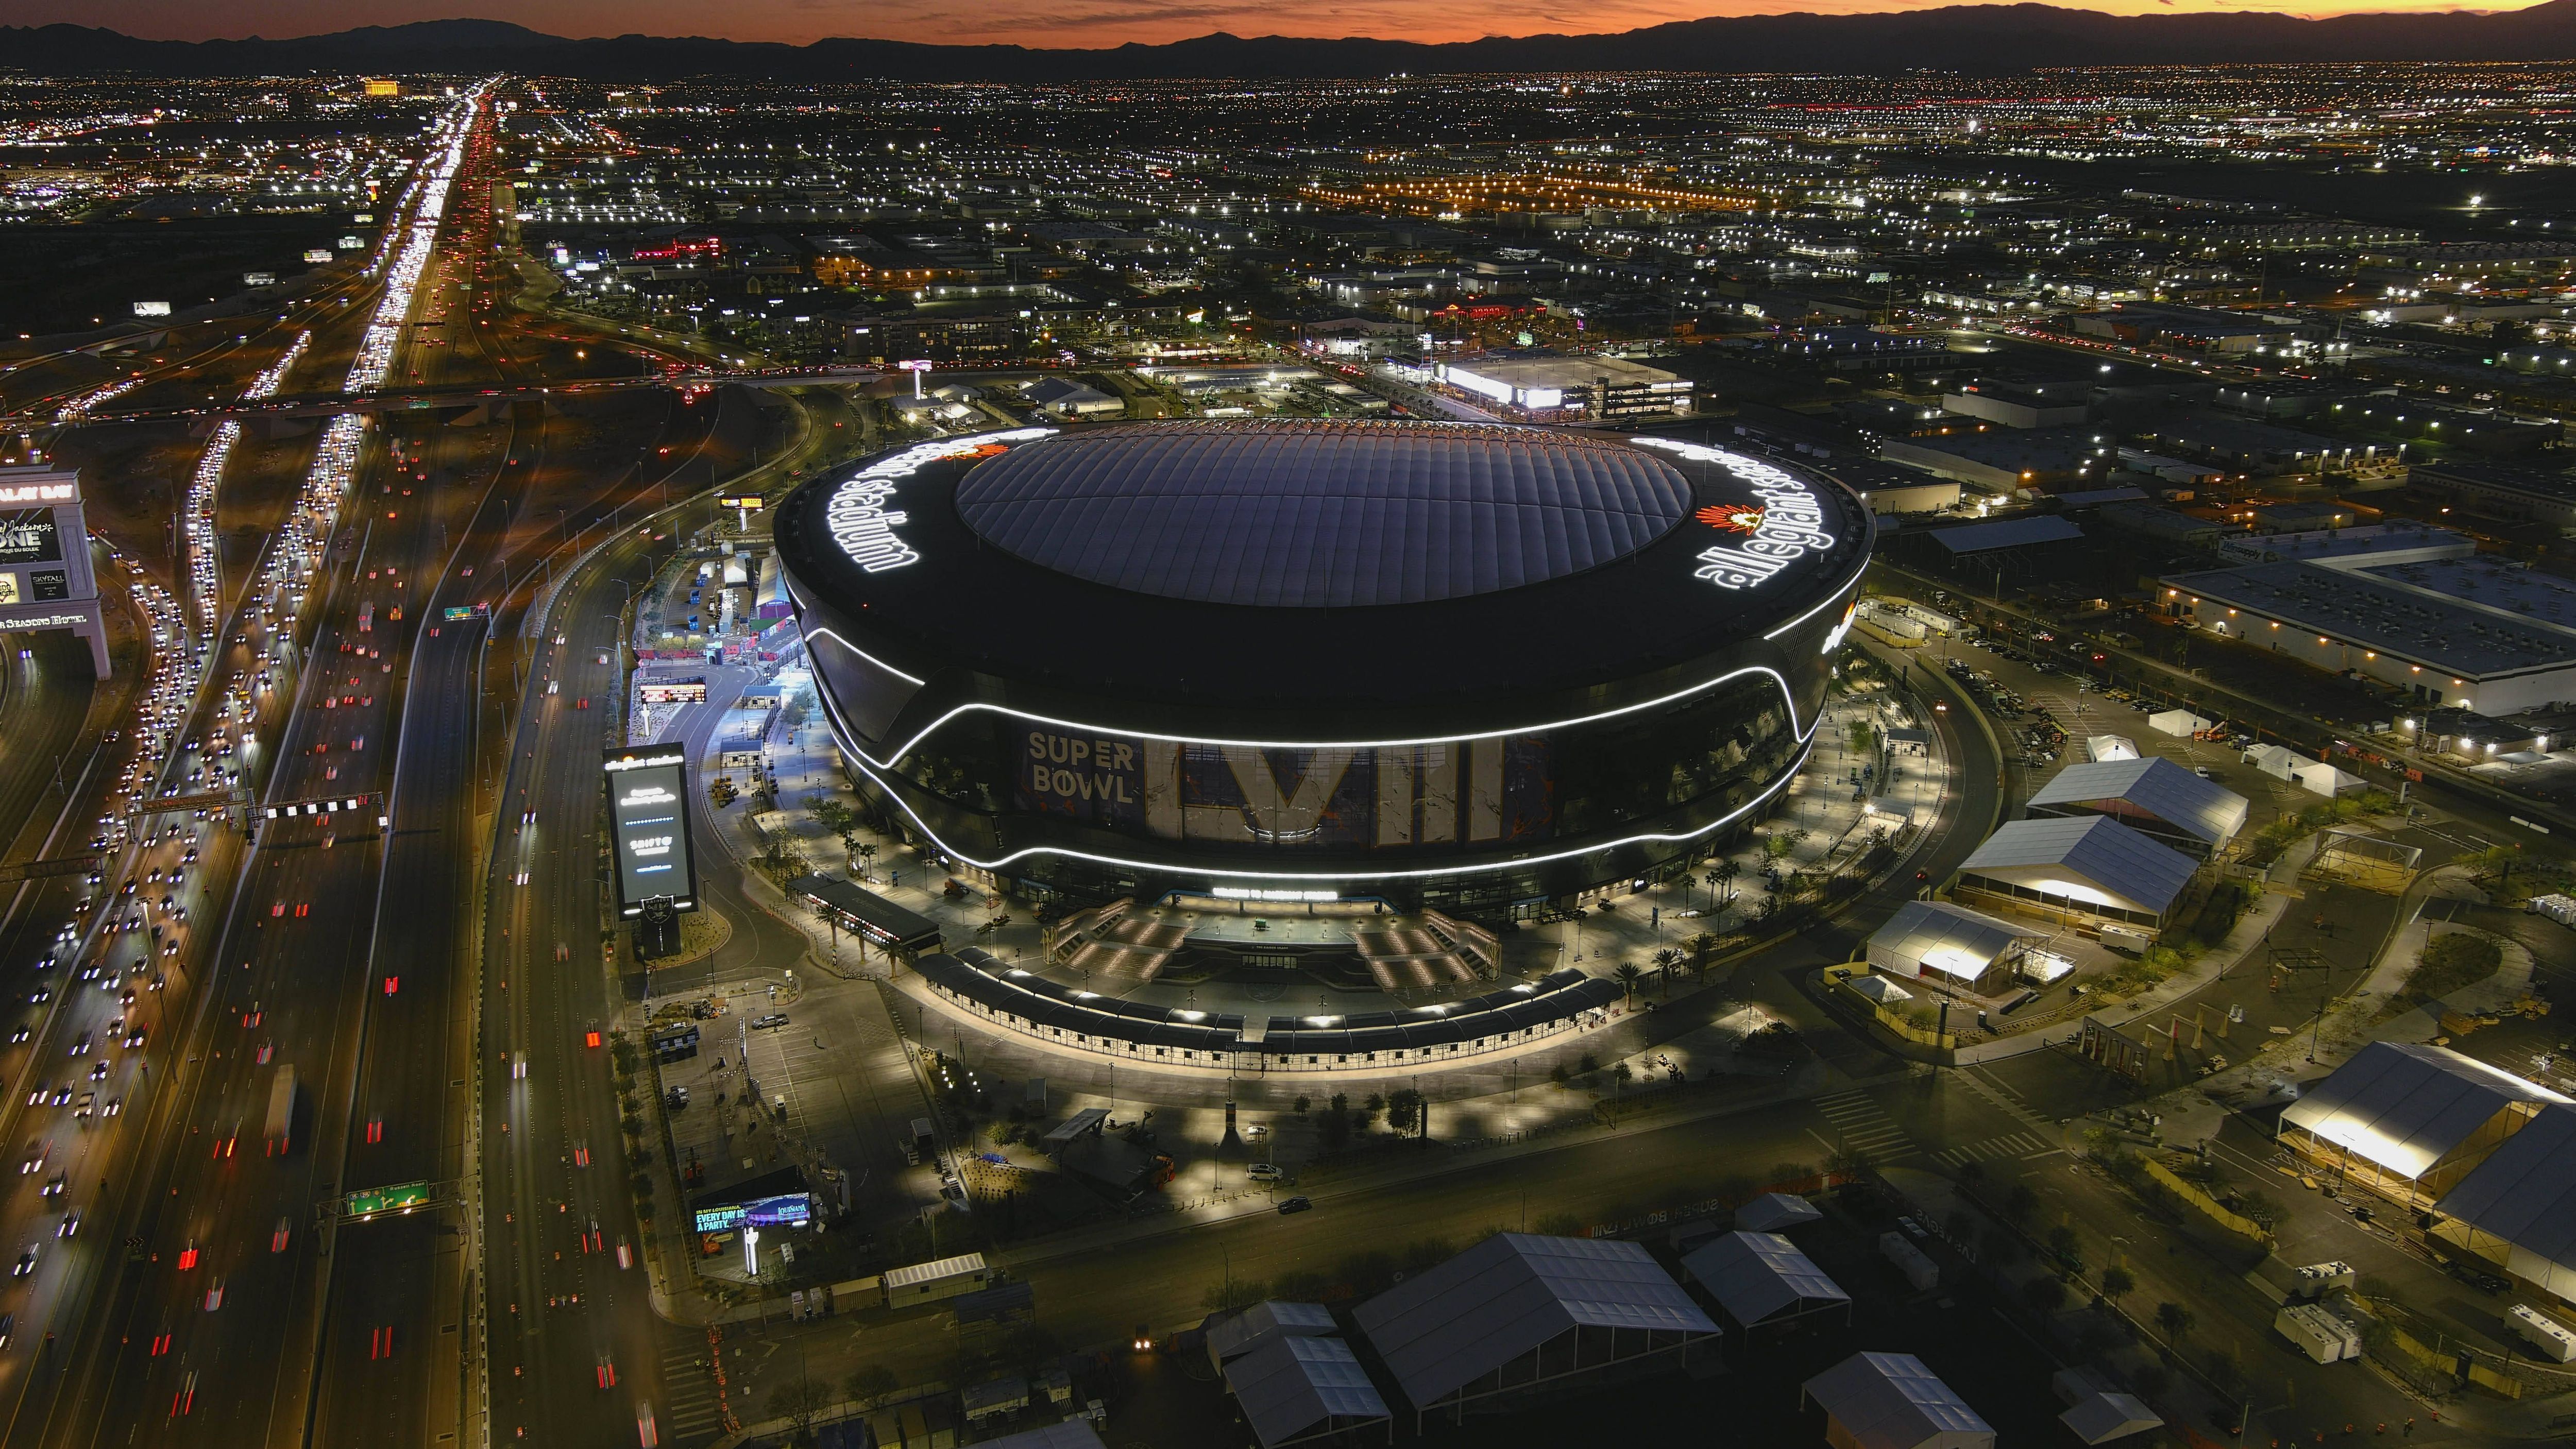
1450	667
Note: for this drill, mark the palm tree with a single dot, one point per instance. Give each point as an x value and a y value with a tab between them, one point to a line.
1668	960
1627	973
2117	1283
2176	1321
1724	875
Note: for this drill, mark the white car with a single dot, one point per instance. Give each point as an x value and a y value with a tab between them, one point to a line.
1263	1172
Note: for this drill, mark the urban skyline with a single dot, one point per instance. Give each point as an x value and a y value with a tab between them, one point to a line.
811	748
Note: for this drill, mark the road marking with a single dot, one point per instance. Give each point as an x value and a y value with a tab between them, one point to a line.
1864	1127
2011	1144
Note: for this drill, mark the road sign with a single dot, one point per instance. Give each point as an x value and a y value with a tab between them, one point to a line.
400	1198
465	611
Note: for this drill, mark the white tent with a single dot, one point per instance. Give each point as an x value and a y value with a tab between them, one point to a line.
2274	760
2321	778
1881	990
1891	1401
1763	1278
2176	722
2110	747
1773	1211
2101	1418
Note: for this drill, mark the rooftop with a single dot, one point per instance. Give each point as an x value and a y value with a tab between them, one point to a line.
2107	858
1444	1328
2405	1107
2157	787
2525	1194
1891	1401
2418	611
1312	515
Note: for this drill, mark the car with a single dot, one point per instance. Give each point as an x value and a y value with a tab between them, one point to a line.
18	1034
277	1236
1263	1172
677	1099
772	1022
8	1326
37	1152
1294	1205
54	1185
214	1295
70	1225
26	1262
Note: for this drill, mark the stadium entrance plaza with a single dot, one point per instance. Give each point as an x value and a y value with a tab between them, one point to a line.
852	1087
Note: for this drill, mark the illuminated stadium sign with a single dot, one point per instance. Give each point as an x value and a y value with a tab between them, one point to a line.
1787	525
648	818
858	517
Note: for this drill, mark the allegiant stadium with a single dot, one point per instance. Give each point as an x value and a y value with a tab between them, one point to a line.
1451	665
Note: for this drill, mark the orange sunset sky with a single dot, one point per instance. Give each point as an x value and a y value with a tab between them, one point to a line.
1045	23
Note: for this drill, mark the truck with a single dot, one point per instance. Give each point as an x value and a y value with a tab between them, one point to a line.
2322	1336
1919	1271
281	1112
2544	1333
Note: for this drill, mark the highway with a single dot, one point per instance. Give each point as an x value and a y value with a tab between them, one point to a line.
576	1352
213	1227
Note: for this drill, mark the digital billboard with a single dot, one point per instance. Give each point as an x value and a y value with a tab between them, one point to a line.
30	535
791	1210
649	818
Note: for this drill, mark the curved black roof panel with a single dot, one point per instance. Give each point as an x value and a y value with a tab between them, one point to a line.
1322	514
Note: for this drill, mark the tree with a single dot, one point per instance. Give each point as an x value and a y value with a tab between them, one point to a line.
1726	872
2174	1320
1403	1109
2020	1204
2069	1248
2044	1294
1559	1075
1628	974
2117	1283
1232	1294
1300	1105
1668	960
1862	736
1620	1075
800	1401
869	1384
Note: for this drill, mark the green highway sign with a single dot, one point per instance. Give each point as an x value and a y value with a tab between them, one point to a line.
401	1198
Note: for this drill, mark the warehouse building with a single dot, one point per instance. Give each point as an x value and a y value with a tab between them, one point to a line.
2475	631
1763	1281
1559	388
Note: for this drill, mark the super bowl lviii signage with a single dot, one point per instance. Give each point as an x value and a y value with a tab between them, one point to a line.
45	578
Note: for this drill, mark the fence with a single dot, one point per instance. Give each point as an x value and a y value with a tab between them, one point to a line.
2191	1193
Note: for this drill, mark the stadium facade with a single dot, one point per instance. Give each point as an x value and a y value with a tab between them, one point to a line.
1461	665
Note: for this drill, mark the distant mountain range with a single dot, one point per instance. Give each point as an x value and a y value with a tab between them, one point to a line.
1978	39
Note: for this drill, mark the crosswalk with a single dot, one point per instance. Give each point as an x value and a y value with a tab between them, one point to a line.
1864	1127
2011	1144
688	1412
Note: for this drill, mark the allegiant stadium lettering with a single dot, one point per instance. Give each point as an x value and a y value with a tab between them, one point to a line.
858	518
1792	525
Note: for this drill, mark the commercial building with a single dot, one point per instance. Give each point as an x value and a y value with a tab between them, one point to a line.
1519	1313
1461	665
2087	872
2039	459
2410	1122
2446	626
45	580
2149	324
1569	387
2155	797
2033	406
